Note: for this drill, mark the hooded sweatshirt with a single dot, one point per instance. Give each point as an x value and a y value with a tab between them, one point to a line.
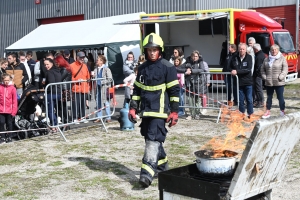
8	99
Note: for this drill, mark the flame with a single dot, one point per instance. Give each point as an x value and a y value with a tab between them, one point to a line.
235	139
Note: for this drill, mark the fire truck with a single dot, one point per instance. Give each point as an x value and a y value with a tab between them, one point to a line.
207	30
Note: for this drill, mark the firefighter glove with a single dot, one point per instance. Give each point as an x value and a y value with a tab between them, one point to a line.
172	119
131	116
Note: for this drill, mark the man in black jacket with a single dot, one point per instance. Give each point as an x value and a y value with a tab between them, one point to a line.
18	72
258	94
68	57
241	65
230	79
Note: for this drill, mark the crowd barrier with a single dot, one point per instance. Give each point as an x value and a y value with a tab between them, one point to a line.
198	96
77	102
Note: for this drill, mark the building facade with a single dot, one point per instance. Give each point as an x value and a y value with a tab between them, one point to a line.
18	18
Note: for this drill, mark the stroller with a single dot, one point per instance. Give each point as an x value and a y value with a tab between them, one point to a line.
25	118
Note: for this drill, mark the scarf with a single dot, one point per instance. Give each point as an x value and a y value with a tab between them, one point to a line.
273	58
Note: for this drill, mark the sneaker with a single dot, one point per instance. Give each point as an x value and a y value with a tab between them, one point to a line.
189	117
282	113
76	121
197	117
8	140
144	182
267	114
85	121
137	116
203	111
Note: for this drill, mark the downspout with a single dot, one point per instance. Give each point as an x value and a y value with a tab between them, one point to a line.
297	26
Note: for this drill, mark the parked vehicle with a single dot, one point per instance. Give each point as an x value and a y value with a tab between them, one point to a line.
206	30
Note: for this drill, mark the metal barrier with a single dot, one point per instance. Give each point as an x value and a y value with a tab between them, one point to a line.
199	96
77	102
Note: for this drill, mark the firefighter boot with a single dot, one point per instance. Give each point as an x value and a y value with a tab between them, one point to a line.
149	165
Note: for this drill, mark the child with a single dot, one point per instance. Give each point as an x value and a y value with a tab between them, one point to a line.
8	107
130	80
180	77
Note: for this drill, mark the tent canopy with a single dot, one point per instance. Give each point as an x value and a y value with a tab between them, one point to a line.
92	34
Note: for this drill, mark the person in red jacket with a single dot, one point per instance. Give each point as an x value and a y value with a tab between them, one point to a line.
8	107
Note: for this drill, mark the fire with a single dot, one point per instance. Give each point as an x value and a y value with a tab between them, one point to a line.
235	139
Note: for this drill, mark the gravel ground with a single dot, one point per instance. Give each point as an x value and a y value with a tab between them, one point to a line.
95	164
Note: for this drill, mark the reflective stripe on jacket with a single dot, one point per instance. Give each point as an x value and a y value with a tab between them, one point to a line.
156	87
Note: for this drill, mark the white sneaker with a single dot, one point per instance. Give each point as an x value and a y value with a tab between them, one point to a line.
203	111
189	117
76	121
85	121
282	113
197	117
59	120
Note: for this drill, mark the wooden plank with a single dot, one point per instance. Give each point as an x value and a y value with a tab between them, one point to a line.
265	158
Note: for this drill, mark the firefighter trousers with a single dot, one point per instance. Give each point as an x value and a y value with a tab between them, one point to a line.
155	158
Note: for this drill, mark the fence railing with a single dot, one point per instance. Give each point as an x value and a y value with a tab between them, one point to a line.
200	93
77	102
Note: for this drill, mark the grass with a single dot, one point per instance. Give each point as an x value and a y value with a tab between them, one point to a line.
104	165
292	87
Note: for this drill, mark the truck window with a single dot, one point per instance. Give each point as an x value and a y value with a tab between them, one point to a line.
284	41
263	39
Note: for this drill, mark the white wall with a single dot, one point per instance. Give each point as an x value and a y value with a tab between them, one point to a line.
187	33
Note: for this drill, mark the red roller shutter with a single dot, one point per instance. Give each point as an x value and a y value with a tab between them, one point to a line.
61	19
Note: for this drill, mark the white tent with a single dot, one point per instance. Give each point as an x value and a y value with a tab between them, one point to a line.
94	33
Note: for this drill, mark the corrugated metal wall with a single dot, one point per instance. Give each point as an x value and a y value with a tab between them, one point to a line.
242	4
19	17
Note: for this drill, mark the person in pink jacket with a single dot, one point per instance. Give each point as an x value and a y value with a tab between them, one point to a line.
8	107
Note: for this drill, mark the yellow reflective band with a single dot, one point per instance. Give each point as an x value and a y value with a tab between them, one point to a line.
148	169
176	99
150	88
162	101
162	161
155	114
137	98
172	83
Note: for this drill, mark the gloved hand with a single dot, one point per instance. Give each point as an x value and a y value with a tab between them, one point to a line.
172	119
131	116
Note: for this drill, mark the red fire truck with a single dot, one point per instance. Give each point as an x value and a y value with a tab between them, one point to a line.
207	30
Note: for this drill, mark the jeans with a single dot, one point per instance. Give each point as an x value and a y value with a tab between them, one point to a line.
246	92
279	92
194	101
52	100
99	104
258	94
181	102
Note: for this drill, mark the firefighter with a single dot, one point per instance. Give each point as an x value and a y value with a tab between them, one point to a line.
156	91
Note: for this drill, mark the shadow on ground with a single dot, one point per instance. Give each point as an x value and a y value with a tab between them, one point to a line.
108	166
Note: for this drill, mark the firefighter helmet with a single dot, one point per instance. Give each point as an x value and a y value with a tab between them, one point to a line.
153	40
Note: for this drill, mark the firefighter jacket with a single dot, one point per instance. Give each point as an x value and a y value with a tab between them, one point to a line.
155	88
